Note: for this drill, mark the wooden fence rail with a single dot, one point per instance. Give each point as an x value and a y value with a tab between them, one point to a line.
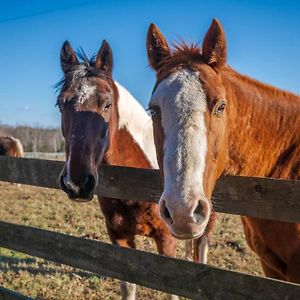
251	196
171	275
257	197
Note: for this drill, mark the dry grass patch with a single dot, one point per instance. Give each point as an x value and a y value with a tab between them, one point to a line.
50	209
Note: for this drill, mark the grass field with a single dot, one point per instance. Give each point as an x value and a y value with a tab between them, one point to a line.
51	209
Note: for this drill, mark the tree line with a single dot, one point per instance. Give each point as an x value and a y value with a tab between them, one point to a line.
36	139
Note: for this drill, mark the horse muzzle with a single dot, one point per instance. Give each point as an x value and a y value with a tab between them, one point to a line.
82	192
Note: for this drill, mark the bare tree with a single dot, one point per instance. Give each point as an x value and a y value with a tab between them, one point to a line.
36	139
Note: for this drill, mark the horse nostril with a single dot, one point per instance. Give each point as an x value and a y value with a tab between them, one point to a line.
89	183
199	214
199	209
165	212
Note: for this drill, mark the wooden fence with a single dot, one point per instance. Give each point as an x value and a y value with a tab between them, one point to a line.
257	197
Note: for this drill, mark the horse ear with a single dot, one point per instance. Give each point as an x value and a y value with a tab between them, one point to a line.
104	59
157	46
214	49
68	57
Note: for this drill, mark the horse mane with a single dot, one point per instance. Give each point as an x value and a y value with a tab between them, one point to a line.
261	86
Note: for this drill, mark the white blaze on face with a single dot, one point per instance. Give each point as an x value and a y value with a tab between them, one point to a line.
182	102
85	91
67	179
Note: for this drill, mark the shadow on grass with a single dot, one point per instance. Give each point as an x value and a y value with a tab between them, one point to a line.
35	267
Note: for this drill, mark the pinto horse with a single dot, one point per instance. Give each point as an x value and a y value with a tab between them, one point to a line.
10	146
210	120
104	125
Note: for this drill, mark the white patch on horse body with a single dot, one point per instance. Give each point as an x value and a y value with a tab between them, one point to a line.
182	102
134	118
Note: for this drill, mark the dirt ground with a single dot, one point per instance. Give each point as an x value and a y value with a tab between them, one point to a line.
51	209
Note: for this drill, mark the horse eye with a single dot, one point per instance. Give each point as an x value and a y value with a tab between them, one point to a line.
107	106
220	108
153	112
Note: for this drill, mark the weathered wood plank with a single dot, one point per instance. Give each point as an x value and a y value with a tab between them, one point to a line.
129	183
6	294
256	197
180	277
37	172
263	198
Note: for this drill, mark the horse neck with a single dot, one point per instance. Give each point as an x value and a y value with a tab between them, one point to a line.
263	129
131	136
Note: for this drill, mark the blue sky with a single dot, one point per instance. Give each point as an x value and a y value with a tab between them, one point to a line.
263	39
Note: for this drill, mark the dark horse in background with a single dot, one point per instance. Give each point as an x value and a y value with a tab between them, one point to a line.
10	146
103	124
210	120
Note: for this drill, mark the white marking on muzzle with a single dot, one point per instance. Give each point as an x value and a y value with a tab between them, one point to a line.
70	185
182	102
67	179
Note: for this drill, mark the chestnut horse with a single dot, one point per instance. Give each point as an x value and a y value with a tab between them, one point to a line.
104	125
210	120
10	146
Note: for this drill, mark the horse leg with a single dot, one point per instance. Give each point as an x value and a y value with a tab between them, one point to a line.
201	249
189	250
127	289
271	272
272	265
197	250
166	245
201	245
293	269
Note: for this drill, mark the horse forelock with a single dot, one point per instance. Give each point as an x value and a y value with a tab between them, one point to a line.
82	71
182	55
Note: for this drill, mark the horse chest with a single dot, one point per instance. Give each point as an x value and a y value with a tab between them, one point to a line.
129	216
265	236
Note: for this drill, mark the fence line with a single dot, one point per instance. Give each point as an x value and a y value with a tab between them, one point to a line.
265	198
257	197
196	281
